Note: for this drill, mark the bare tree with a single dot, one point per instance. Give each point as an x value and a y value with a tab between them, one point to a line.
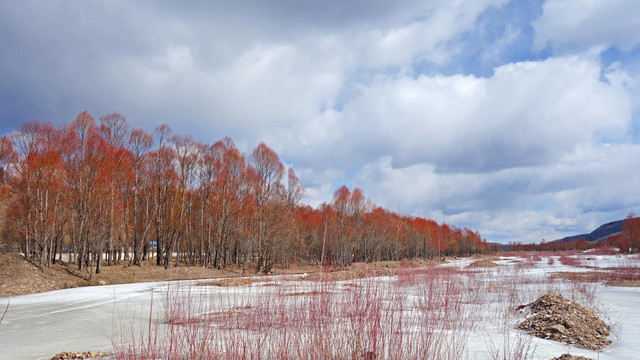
139	145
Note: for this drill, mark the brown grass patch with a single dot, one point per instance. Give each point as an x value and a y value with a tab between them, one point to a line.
571	357
356	271
352	286
215	316
625	277
312	293
18	276
625	283
591	276
229	282
482	263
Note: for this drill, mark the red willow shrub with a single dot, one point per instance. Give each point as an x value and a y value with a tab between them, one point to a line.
570	260
365	319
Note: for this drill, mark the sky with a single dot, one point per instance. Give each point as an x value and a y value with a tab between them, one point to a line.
519	119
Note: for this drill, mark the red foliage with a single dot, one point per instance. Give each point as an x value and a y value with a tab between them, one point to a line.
105	191
629	240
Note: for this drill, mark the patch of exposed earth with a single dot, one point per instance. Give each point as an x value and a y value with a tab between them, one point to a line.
554	317
623	277
78	355
19	276
482	263
571	357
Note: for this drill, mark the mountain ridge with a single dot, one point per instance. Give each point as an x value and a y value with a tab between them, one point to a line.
604	231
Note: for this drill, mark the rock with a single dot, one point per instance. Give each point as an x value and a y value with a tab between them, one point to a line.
558	328
568	324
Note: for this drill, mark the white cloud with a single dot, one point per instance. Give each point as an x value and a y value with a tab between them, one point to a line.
424	38
569	25
519	155
526	114
332	87
546	201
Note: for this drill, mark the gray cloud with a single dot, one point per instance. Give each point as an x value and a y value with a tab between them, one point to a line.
570	194
537	148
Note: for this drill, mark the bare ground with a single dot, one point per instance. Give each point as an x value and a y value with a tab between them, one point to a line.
19	276
482	263
571	357
78	355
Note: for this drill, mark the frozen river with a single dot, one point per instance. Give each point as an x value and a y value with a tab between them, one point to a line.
85	319
82	319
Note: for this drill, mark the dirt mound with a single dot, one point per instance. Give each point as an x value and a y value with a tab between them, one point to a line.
79	355
483	263
357	271
571	357
556	318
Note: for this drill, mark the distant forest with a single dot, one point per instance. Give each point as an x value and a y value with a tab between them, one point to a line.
100	192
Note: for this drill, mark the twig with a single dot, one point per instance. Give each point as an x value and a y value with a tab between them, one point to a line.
5	312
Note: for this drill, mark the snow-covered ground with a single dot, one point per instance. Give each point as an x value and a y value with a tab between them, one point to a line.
88	319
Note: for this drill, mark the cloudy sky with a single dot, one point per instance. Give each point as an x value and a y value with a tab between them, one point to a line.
517	118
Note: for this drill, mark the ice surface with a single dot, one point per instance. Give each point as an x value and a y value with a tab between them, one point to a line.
81	319
85	319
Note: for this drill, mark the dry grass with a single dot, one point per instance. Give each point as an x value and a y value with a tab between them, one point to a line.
624	277
483	263
308	293
18	276
229	282
625	283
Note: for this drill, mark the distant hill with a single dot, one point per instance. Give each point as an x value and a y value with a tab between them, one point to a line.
603	232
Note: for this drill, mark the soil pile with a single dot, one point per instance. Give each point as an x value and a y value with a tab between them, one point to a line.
78	355
571	357
482	263
356	271
556	318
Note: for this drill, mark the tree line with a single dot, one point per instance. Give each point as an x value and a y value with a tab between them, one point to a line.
101	192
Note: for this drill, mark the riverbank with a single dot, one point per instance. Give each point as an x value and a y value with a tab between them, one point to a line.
19	276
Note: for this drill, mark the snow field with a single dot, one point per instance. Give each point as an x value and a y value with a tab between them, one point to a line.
444	312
